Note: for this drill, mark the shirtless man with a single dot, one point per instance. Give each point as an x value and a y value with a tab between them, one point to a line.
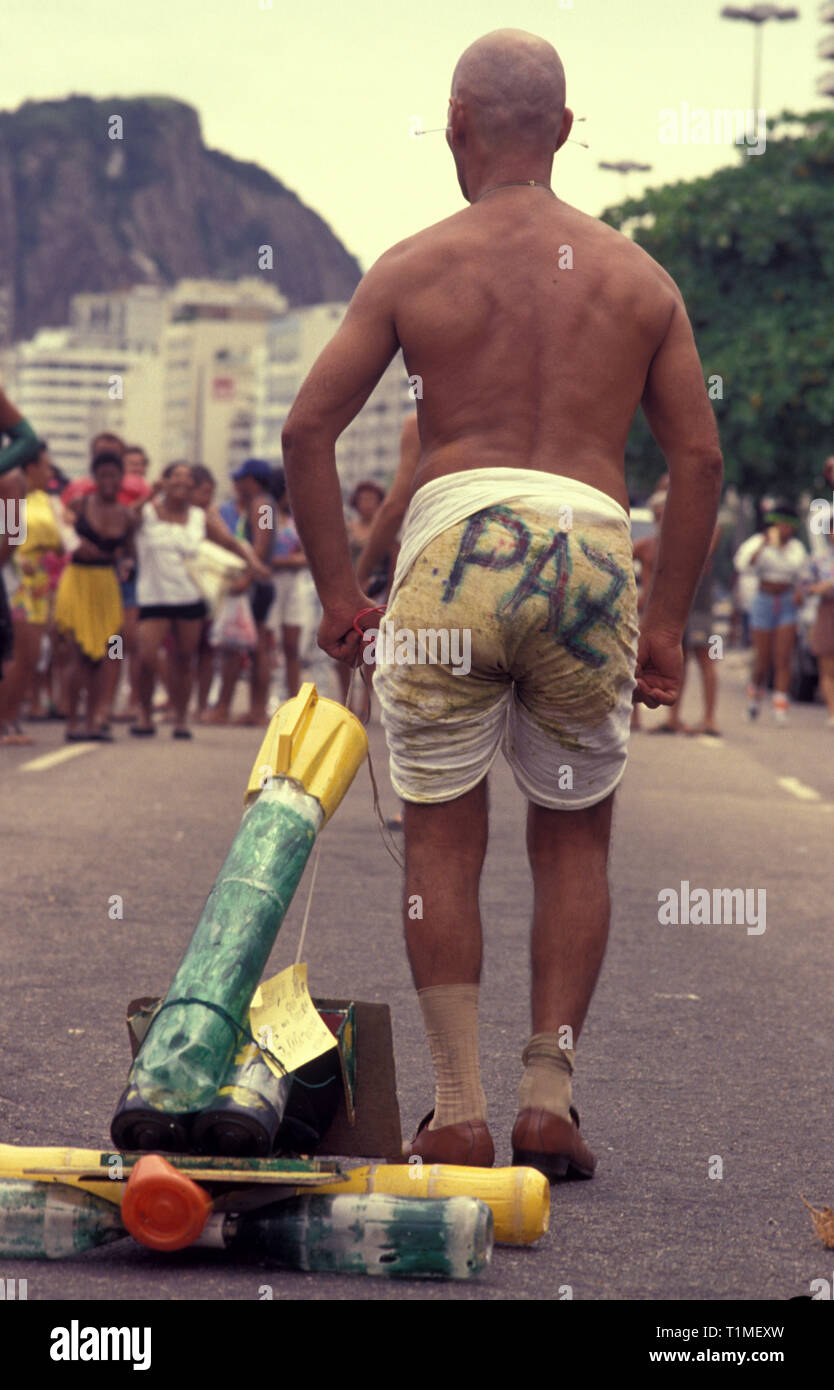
537	331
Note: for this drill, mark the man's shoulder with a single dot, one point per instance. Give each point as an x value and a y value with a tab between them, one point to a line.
423	244
639	261
453	231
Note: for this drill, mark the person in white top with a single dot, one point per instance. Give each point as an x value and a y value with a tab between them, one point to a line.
777	557
170	533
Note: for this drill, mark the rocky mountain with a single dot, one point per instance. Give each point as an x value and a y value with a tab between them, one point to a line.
82	210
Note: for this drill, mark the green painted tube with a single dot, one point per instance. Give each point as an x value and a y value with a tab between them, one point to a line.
396	1237
41	1220
186	1054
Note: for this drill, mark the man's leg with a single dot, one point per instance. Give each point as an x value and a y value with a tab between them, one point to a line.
445	845
568	853
445	849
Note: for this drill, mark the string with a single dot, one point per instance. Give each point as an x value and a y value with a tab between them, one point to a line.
309	902
245	1030
383	829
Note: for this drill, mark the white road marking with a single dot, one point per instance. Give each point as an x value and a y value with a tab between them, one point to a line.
677	996
799	789
47	760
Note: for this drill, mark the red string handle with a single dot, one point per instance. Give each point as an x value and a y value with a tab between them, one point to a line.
363	613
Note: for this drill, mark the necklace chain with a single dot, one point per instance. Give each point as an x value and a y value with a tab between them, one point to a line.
516	183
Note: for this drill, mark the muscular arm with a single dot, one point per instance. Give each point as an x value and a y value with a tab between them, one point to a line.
334	392
389	515
24	445
680	417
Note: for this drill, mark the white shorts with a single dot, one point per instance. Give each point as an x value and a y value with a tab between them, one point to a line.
539	622
287	609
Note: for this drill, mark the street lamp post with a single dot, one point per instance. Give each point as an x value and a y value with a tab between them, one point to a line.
625	167
758	15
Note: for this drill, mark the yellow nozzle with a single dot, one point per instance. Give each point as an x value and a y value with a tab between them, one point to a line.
313	741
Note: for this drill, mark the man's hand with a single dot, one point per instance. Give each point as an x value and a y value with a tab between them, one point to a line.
659	669
337	635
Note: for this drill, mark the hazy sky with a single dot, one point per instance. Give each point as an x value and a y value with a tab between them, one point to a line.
322	93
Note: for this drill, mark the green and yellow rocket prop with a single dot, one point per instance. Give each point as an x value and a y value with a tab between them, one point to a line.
199	1080
519	1198
308	759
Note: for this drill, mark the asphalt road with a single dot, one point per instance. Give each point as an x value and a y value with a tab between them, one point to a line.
702	1041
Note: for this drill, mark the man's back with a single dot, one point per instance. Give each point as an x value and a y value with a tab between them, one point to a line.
525	362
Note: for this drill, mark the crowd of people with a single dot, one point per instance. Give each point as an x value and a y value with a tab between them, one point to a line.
126	599
774	577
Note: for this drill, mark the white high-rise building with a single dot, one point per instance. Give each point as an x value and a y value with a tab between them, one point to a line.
70	389
369	447
170	369
134	317
213	330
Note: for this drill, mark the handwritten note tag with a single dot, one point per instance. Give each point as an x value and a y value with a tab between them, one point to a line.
283	1018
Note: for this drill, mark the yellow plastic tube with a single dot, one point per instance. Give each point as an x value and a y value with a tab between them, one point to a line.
519	1198
23	1161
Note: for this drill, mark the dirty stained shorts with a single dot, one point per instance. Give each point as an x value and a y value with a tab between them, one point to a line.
551	616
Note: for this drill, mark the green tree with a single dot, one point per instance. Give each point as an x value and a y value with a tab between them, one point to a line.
752	250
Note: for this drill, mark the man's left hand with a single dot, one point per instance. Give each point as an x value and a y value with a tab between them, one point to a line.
337	635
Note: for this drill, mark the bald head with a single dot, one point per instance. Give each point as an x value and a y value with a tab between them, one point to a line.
512	85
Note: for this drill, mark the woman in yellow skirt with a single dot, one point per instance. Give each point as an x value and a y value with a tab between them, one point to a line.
88	603
30	600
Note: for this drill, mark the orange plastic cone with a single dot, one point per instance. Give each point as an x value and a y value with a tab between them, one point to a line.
162	1208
